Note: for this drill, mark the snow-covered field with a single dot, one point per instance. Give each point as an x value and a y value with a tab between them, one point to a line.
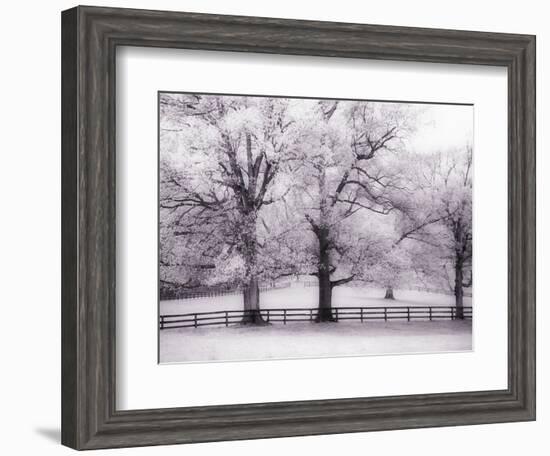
313	340
298	296
309	340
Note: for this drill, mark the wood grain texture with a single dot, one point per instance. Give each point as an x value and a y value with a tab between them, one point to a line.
69	228
89	39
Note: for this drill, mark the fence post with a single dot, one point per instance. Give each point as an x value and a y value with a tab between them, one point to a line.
268	315
226	319
430	313
284	316
336	309
385	314
162	322
408	314
195	320
361	315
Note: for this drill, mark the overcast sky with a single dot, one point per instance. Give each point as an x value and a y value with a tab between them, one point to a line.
443	127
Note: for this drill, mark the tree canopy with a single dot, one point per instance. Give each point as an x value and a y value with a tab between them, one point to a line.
253	189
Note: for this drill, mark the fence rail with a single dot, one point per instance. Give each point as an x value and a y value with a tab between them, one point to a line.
185	294
467	293
229	317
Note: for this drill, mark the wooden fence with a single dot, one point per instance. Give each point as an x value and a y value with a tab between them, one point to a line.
467	293
189	294
186	294
229	317
314	283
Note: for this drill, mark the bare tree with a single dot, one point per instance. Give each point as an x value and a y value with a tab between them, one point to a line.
457	211
413	223
347	169
448	177
229	151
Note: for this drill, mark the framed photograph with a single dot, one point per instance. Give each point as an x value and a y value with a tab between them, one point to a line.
280	228
258	195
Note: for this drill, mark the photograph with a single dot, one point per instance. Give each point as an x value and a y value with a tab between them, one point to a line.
305	228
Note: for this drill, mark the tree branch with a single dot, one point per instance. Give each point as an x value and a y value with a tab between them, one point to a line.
336	283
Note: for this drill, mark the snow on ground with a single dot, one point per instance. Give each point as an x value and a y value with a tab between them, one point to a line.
313	340
299	296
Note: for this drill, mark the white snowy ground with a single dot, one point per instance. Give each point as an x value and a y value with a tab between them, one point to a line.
298	296
312	340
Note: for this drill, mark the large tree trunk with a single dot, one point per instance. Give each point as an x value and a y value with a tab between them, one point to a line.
459	290
251	291
324	312
389	293
251	295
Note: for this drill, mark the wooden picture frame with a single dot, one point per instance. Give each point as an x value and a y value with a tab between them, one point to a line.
90	36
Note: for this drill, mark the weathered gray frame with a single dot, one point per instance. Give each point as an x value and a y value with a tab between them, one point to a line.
90	36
